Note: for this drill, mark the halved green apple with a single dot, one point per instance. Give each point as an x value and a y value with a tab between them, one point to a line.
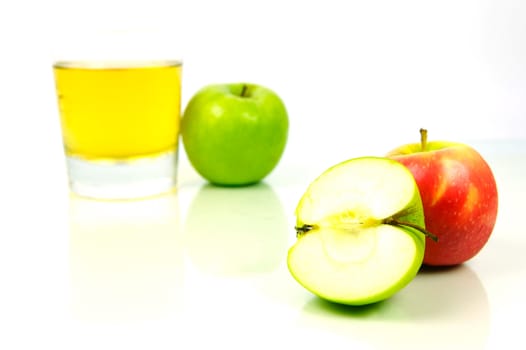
360	232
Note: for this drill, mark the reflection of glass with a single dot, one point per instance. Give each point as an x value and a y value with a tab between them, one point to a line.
125	258
236	231
120	118
442	308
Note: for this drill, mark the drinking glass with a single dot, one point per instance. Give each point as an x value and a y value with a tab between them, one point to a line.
119	102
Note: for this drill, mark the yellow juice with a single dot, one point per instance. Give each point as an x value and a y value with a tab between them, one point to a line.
119	111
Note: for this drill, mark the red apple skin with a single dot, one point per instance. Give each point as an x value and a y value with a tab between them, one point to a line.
459	195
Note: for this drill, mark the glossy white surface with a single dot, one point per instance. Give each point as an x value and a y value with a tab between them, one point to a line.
206	267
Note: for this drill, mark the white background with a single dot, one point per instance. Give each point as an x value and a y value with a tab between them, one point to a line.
357	77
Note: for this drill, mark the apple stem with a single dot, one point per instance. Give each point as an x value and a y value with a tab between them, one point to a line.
244	90
423	139
300	230
391	221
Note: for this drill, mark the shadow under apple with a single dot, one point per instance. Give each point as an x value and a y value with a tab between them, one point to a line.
442	306
236	230
126	258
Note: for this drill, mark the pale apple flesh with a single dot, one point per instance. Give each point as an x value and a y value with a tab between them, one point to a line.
353	246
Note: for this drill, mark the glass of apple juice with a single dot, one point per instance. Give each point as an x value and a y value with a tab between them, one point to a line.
120	125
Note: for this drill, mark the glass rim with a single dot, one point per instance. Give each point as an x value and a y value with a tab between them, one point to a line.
116	64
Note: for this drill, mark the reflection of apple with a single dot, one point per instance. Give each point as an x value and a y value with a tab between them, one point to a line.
359	232
449	300
234	134
459	195
236	231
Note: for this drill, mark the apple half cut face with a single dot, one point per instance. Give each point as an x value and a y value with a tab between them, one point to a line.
359	236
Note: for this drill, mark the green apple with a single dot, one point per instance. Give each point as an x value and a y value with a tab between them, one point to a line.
234	134
360	232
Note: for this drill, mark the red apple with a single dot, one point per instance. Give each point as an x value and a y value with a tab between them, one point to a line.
459	194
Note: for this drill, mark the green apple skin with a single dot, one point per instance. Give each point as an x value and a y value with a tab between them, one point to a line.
459	194
234	134
326	287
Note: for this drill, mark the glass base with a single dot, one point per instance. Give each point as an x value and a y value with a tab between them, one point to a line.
123	179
